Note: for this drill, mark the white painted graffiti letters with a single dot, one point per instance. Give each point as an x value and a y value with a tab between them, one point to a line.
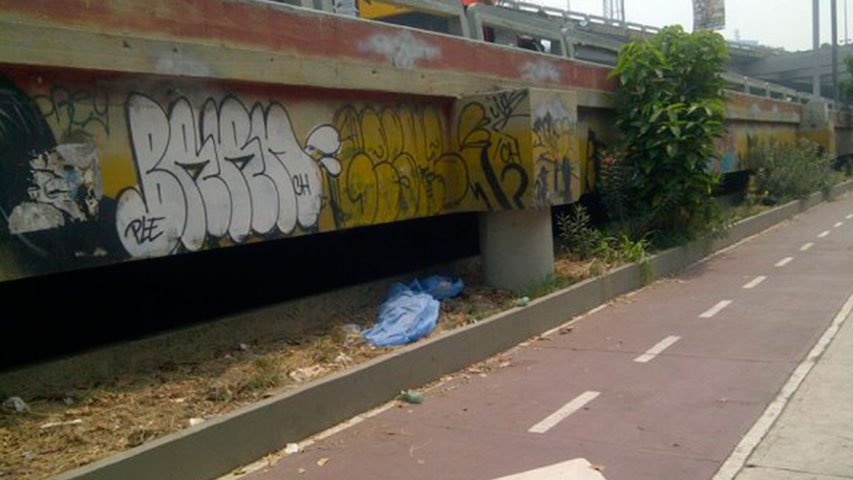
230	170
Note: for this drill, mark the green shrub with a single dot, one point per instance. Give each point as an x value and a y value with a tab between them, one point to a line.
670	109
580	238
785	171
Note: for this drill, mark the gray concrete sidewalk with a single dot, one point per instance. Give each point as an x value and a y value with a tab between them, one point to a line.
813	438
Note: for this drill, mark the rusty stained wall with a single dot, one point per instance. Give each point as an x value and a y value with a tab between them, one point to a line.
99	169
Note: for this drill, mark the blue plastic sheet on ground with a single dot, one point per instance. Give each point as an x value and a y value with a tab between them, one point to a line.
411	311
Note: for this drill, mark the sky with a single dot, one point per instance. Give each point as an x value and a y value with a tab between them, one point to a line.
776	23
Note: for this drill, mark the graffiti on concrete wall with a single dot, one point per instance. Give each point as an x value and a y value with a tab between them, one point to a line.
228	169
555	152
733	148
71	110
397	164
45	184
492	133
129	169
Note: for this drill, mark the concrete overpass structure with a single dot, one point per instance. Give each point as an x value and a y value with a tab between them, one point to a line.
794	69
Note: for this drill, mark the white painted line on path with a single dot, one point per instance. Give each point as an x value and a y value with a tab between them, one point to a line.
849	217
716	309
564	412
784	261
657	349
838	224
754	283
806	246
744	449
823	234
577	469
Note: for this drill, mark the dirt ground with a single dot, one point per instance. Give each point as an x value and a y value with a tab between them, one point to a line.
74	428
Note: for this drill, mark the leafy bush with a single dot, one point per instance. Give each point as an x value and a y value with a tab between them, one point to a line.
671	107
615	187
788	171
584	241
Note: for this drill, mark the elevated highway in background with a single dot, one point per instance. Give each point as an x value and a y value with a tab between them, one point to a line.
794	69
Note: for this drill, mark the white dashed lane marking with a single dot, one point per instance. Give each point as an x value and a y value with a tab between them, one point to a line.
716	309
784	261
823	234
657	349
838	224
564	412
754	283
806	246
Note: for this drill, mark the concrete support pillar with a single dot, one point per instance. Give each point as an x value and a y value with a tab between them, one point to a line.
517	247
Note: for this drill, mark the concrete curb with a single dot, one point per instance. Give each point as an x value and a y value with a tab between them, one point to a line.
216	447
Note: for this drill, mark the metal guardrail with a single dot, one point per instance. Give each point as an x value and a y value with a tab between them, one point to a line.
481	15
587	19
560	28
748	85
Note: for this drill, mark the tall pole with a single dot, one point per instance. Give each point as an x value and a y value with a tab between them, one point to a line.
834	15
622	10
816	44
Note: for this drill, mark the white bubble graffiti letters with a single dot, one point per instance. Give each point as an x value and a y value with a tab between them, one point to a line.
231	170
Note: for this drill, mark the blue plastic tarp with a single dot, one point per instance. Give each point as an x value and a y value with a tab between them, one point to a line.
411	311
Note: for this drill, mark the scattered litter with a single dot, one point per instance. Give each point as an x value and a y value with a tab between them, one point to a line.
68	400
521	302
404	317
76	421
195	421
17	403
322	461
301	470
343	359
505	364
352	333
243	347
411	311
565	330
28	455
306	373
179	400
411	396
291	448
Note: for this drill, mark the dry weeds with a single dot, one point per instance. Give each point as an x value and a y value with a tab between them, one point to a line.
74	428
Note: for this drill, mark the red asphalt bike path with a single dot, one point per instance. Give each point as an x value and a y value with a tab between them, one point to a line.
677	416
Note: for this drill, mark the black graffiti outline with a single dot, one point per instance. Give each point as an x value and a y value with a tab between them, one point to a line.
503	108
350	121
61	100
545	130
484	126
